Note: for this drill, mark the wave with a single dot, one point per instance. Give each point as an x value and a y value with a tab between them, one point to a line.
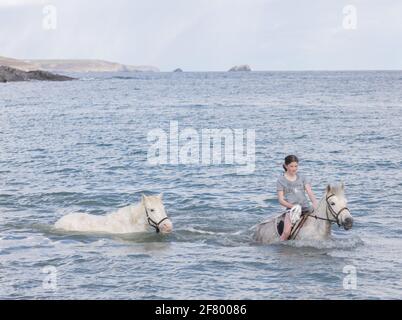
123	77
88	79
194	230
332	243
108	78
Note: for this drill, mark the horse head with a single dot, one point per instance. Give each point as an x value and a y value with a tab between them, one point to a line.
337	206
156	214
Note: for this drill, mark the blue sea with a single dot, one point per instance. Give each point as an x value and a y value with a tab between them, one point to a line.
82	146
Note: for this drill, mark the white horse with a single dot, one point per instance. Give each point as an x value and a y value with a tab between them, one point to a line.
332	208
149	212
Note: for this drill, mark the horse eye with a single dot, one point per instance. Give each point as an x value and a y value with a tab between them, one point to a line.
332	203
152	210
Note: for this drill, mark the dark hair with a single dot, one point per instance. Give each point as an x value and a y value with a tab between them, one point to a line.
289	159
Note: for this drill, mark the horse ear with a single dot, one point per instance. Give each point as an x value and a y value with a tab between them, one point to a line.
143	197
342	186
160	196
328	188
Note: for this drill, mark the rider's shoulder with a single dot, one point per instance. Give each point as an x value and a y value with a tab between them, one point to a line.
304	178
281	178
301	176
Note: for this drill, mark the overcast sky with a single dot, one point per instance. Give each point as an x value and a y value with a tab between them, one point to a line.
208	34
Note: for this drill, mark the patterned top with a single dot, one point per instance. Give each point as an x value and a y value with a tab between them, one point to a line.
294	191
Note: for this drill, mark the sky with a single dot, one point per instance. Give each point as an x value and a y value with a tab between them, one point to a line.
208	35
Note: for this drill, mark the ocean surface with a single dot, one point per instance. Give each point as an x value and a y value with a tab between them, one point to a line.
82	146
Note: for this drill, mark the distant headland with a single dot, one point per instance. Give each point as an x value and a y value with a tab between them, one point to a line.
86	65
9	74
73	65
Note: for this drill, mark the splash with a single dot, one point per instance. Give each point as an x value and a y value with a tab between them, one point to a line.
331	243
191	229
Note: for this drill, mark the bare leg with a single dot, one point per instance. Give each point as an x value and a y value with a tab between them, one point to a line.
286	228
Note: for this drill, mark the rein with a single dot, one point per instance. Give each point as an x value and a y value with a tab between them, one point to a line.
333	213
152	222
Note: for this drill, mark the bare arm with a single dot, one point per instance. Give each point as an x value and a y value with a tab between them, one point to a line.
282	200
311	195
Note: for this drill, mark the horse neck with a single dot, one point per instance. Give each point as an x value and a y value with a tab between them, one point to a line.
321	212
137	213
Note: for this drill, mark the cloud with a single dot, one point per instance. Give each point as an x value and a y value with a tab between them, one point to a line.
17	3
207	34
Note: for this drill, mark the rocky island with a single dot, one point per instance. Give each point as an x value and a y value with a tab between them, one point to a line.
243	67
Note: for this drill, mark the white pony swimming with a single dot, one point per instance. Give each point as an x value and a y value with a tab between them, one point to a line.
148	213
312	226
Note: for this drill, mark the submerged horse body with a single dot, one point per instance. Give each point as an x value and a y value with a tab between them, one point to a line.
316	225
149	212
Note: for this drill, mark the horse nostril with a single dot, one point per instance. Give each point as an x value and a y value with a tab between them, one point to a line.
348	222
166	226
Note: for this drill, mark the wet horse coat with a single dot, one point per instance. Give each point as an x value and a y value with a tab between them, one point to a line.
149	212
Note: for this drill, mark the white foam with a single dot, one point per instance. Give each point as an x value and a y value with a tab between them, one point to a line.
191	229
332	243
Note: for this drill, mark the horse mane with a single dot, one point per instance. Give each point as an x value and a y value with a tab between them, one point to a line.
135	211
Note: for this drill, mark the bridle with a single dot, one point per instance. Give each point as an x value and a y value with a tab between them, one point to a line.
152	222
331	211
328	208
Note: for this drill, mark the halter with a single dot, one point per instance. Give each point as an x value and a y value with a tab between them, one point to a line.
152	222
333	213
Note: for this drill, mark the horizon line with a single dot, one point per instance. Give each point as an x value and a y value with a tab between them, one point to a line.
222	70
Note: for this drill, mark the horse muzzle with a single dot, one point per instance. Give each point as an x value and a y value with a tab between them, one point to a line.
166	226
348	223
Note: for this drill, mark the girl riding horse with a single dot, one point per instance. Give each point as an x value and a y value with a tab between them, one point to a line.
291	189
